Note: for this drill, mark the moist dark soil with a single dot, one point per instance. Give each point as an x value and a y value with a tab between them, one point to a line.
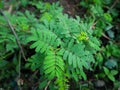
71	7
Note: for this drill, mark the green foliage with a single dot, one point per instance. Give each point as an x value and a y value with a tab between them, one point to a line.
53	65
34	62
110	74
60	50
112	50
104	13
107	17
63	41
1	4
66	44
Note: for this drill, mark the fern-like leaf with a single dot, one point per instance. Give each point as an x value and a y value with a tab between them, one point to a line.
43	40
77	55
62	83
53	65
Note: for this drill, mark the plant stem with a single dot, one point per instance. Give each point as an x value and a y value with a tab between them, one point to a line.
16	36
47	85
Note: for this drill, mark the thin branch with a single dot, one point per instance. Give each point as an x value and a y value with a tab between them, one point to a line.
105	36
47	85
116	1
13	31
10	9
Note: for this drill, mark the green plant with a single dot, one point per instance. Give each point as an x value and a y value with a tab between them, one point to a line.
110	73
67	45
64	46
104	14
9	50
61	50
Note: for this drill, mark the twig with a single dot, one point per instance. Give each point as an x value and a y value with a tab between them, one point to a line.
10	8
105	36
13	31
114	4
47	85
